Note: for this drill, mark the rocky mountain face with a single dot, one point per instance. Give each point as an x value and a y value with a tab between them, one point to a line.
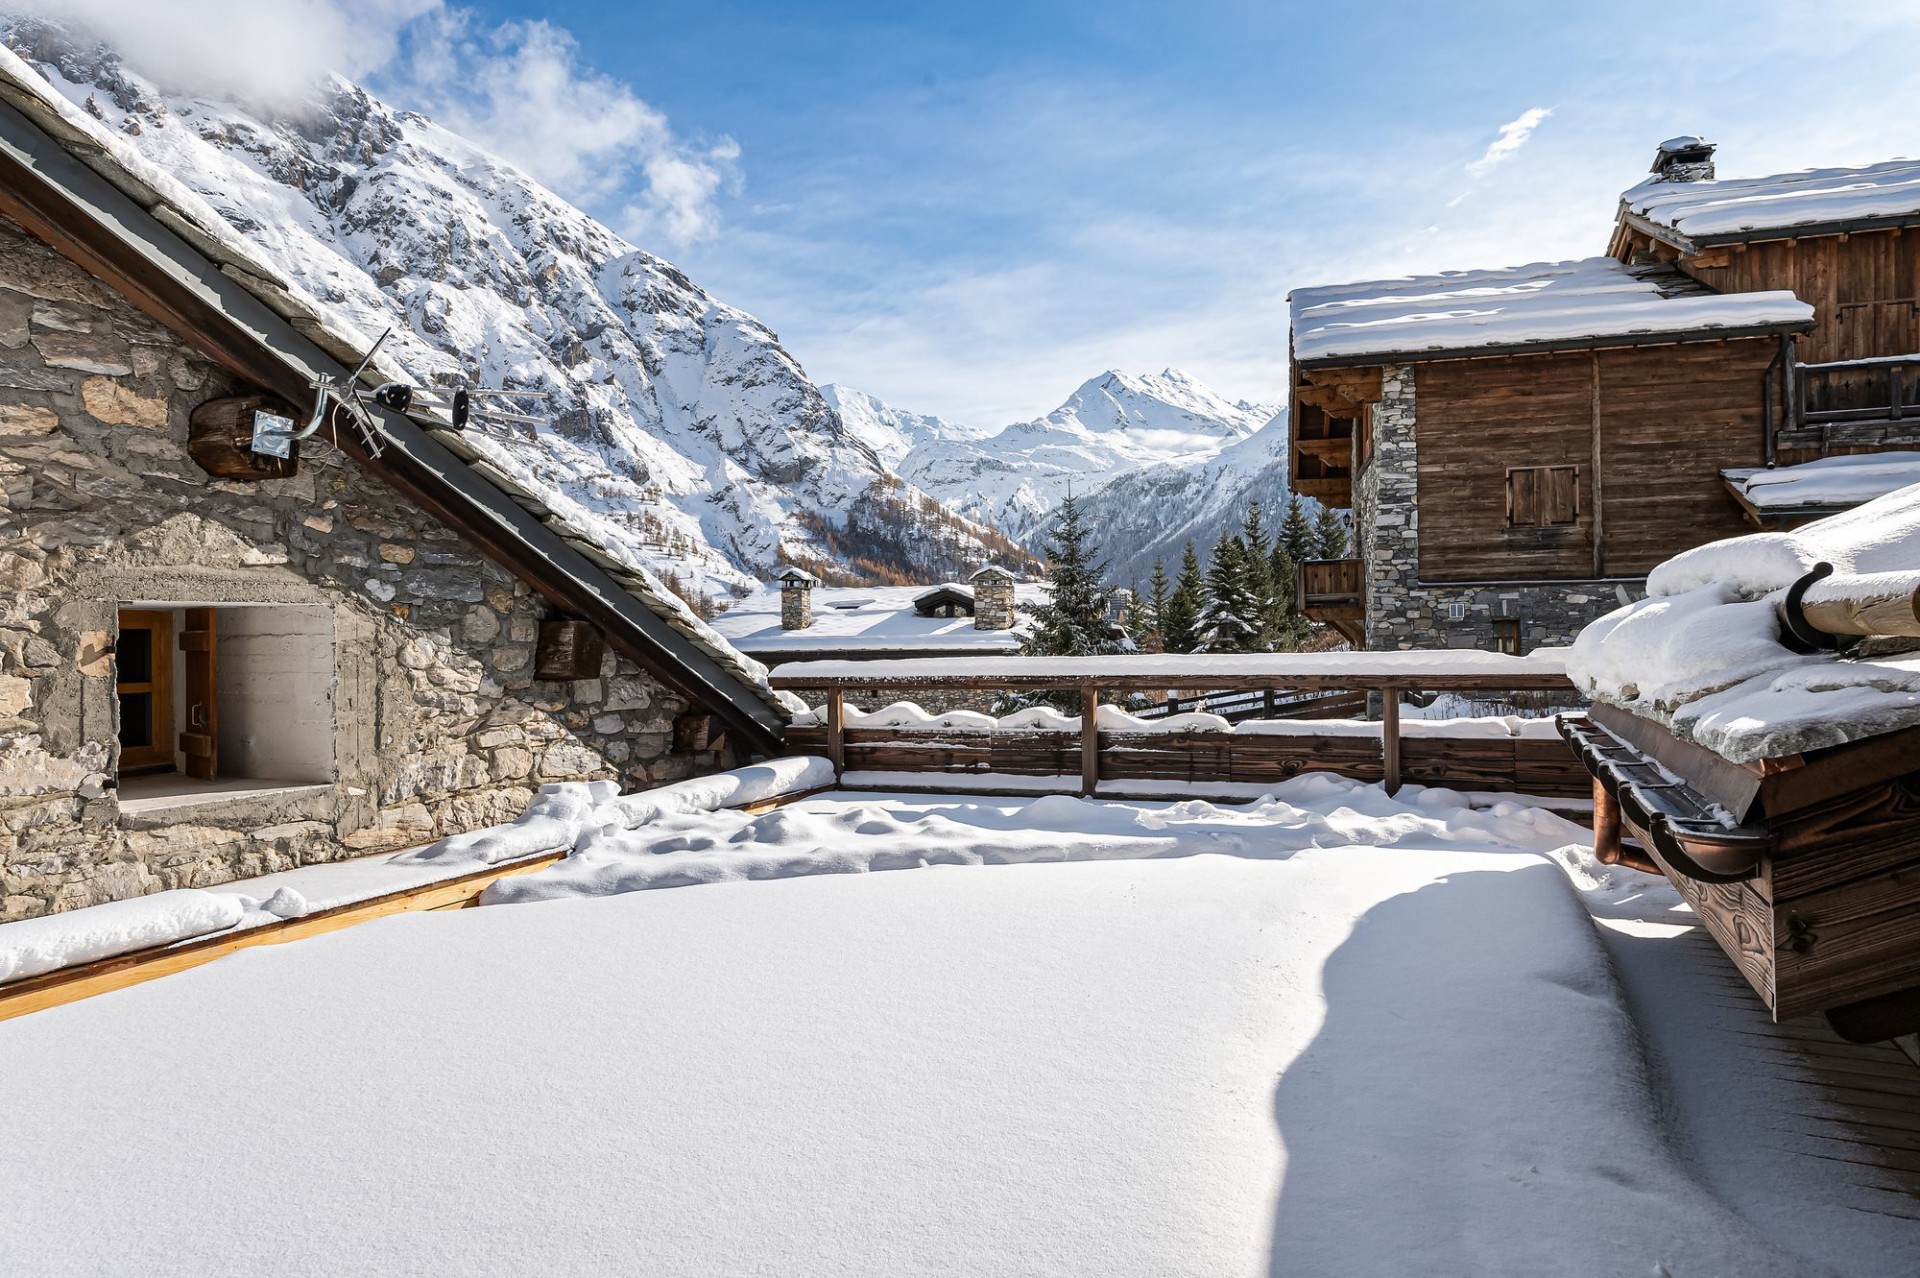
1154	511
892	433
1113	425
678	426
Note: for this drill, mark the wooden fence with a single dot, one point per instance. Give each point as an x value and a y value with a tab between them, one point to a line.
1531	765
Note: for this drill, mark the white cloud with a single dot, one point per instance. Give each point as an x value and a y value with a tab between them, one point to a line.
268	52
1513	136
517	89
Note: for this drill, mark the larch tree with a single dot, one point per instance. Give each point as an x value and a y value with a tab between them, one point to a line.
1296	533
1230	618
1180	619
1329	534
1073	622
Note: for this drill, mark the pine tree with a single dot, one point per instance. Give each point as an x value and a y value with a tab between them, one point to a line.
1151	610
1230	620
1073	622
1180	619
1270	613
1296	534
1329	534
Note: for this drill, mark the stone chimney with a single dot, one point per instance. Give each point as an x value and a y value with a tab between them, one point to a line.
1684	159
993	598
796	597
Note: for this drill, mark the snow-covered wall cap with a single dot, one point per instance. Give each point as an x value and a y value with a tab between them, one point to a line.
1725	210
990	570
1590	302
792	576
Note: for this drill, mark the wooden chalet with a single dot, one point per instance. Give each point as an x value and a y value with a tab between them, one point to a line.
1521	447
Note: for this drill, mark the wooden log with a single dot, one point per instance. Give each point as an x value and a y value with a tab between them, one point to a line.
836	730
1876	603
1089	739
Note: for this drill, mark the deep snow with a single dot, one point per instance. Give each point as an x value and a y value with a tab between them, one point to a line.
1702	652
1332	1033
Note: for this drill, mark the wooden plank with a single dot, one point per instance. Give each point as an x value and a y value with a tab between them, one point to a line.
1596	479
1733	915
69	985
200	736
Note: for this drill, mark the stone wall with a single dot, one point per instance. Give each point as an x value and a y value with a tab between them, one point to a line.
438	723
1405	612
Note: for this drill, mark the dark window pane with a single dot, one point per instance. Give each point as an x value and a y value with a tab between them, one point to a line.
136	719
133	655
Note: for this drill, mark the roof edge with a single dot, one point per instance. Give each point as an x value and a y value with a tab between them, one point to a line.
1676	338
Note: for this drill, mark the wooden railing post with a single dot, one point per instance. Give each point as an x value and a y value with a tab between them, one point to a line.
1606	826
1390	736
836	739
1089	739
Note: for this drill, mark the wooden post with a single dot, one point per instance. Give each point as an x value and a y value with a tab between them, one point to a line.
1266	703
1390	736
1606	826
1089	739
836	745
1595	484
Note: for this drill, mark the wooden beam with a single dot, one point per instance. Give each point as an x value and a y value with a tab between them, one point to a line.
1089	739
1596	483
69	985
1390	736
836	731
1357	385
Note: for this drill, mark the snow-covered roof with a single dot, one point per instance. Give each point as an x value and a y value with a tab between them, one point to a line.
1414	668
866	620
1731	209
183	212
1702	653
1590	302
1826	485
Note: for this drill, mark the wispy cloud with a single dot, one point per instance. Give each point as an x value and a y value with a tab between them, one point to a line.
1513	136
519	89
516	88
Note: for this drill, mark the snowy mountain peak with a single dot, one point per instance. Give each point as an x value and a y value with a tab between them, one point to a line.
682	433
892	432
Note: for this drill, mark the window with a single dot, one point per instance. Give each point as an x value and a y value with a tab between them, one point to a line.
236	693
1543	496
1506	636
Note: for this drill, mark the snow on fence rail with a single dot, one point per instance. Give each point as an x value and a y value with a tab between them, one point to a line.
1115	746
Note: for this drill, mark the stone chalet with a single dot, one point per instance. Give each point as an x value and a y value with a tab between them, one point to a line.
215	663
1519	447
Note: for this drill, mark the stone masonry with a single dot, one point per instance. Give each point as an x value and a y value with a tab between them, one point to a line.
993	606
439	725
1405	612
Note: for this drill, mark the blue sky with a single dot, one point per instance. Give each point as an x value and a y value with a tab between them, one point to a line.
970	209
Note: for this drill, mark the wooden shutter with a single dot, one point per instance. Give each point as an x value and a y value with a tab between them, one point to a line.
1562	495
1543	496
143	664
200	737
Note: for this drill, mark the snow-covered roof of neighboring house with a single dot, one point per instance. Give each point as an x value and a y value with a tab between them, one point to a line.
211	260
868	621
1702	653
1824	486
1594	301
1811	201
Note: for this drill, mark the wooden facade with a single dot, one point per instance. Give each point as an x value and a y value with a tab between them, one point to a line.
1645	430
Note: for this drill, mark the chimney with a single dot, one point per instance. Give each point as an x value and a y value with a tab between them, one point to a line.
1684	159
992	598
796	597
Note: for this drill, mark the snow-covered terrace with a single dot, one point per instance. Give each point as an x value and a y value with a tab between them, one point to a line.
1326	1032
1547	305
1824	486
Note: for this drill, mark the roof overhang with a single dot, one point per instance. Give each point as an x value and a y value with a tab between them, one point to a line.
1614	342
1694	244
99	227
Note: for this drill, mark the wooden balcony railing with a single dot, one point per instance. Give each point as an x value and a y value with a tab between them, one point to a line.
1843	404
1484	761
1334	591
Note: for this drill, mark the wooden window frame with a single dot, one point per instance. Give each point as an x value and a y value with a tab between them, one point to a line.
158	754
1506	635
1573	522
